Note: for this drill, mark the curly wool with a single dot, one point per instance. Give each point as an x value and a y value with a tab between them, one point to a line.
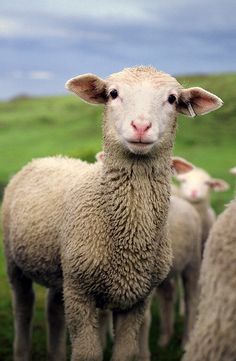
106	225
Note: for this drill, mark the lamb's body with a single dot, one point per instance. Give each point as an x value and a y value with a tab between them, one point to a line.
37	217
214	337
33	211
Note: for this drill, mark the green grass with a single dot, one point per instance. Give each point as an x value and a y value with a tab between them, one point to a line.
38	127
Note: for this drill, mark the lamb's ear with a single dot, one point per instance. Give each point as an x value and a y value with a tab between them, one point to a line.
100	156
180	165
88	87
233	171
197	101
218	185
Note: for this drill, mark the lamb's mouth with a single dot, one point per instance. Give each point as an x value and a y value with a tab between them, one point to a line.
140	142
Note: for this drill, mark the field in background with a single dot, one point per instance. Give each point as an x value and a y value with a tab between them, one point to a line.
37	127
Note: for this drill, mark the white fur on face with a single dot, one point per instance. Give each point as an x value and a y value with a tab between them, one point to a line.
193	186
144	104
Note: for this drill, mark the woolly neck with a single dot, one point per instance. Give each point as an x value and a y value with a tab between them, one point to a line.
136	192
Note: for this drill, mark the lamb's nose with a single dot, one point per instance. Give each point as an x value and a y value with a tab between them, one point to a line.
140	129
194	193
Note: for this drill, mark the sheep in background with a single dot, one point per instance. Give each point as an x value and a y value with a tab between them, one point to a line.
214	336
195	187
100	234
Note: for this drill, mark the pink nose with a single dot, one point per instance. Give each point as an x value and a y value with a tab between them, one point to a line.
140	129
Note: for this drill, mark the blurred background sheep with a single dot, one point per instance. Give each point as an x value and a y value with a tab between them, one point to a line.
44	43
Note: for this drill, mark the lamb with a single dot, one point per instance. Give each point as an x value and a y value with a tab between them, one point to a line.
98	232
214	337
195	186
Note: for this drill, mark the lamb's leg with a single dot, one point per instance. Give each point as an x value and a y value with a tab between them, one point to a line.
144	352
105	319
56	326
166	293
190	282
127	326
23	302
83	323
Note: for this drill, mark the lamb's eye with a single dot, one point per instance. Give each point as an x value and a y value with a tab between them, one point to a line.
171	98
114	93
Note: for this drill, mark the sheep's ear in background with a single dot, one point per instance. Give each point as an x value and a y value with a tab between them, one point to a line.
88	87
233	171
180	165
197	101
218	185
100	156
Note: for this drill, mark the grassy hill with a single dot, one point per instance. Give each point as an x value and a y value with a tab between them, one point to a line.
37	127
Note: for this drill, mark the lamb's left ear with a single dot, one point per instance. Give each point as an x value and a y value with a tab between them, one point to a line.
218	185
197	101
88	87
180	165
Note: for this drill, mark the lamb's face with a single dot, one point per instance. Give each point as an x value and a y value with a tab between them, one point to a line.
195	186
140	113
141	105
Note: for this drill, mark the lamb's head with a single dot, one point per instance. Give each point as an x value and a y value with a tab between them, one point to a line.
141	105
195	186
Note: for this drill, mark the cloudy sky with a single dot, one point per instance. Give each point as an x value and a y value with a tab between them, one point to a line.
43	43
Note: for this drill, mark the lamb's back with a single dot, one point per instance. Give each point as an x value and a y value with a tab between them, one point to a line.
33	208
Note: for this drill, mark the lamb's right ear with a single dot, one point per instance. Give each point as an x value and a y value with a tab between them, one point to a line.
197	101
180	165
88	87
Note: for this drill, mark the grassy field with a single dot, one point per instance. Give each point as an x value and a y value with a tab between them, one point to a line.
36	127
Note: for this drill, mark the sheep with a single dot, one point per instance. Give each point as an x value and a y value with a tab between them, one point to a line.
213	337
98	232
195	186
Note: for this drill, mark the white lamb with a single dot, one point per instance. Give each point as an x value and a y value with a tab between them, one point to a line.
99	235
195	187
